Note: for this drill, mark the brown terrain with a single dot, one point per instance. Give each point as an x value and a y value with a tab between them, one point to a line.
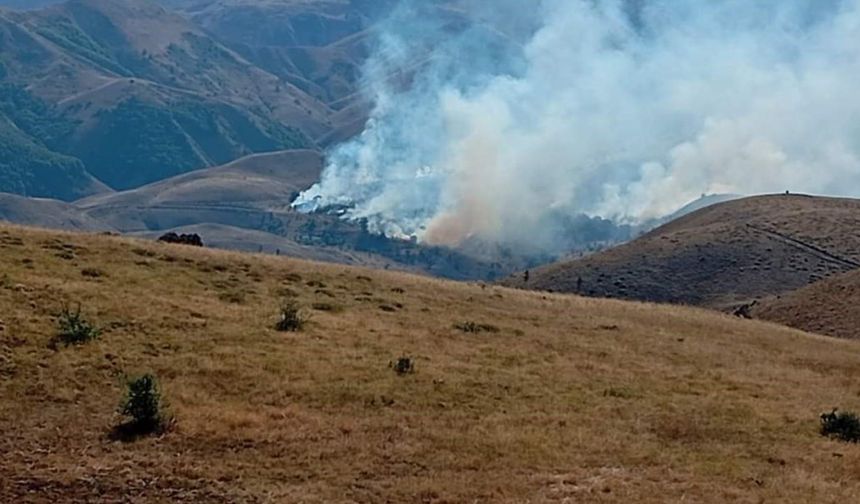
826	307
720	256
515	396
239	193
47	213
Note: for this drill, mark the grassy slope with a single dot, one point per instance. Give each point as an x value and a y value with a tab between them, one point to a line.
826	307
28	166
139	94
720	256
590	400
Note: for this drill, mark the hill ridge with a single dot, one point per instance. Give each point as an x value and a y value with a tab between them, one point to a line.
721	256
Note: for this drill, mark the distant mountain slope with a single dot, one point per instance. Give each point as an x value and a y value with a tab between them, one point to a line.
46	213
29	130
145	93
29	168
242	193
318	46
729	253
254	194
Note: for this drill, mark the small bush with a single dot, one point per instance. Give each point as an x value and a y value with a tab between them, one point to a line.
473	327
183	239
74	329
403	366
844	426
293	318
144	407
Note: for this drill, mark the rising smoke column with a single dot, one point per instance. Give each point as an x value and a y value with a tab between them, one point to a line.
620	109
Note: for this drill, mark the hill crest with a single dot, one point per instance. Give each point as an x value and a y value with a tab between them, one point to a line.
720	256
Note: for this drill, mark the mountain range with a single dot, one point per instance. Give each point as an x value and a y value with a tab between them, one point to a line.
114	94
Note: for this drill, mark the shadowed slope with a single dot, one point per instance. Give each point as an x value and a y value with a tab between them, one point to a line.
721	255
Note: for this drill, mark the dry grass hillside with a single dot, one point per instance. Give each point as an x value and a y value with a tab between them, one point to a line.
722	255
243	191
828	307
553	399
46	213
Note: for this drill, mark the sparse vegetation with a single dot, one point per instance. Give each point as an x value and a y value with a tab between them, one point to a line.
562	408
144	407
475	328
92	272
74	329
841	425
293	318
327	307
192	239
403	366
232	295
618	393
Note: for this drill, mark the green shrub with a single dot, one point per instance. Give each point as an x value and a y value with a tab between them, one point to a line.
74	329
144	407
293	318
844	426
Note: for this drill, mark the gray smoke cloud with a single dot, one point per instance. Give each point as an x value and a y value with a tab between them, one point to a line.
624	110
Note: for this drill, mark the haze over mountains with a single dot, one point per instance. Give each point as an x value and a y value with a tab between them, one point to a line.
105	96
98	96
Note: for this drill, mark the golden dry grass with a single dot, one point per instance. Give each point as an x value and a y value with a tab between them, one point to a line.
826	307
572	400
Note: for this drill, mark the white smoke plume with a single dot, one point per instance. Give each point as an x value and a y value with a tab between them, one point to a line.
623	109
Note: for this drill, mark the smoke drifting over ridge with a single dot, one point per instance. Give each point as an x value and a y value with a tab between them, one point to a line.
547	109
